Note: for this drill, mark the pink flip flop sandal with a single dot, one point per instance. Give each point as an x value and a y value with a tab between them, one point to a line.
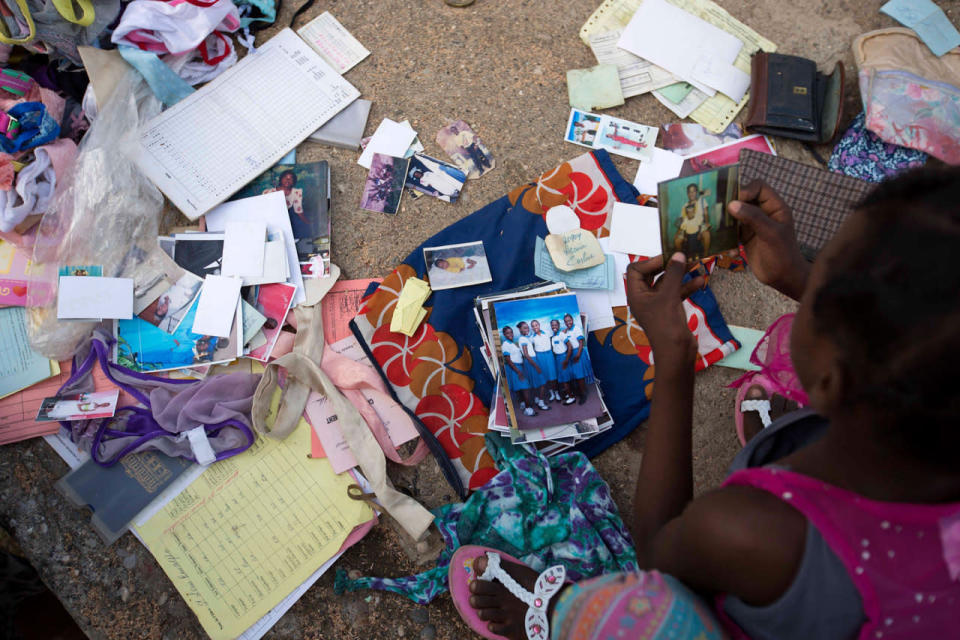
760	405
461	574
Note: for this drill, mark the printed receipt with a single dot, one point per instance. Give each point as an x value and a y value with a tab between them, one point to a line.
251	529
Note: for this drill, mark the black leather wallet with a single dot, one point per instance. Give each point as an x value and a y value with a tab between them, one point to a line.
790	99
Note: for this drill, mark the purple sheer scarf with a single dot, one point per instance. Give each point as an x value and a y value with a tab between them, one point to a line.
220	405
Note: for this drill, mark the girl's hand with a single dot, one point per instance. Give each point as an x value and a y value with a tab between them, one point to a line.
537	367
658	309
520	376
769	239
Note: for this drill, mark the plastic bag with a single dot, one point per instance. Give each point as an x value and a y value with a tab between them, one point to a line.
106	215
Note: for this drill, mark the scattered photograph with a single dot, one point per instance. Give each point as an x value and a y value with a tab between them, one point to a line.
95	270
144	347
306	188
315	267
273	301
456	265
466	149
168	310
435	178
81	406
626	138
693	213
384	185
199	253
582	128
544	362
687	138
725	155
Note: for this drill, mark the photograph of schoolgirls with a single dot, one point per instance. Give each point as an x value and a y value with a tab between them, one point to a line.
544	362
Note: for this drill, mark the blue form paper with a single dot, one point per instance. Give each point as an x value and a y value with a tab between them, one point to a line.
928	20
20	366
598	277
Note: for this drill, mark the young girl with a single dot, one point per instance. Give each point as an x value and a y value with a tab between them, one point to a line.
549	391
578	359
530	365
561	357
839	520
517	380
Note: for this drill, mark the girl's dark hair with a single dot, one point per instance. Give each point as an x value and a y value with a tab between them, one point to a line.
288	172
891	304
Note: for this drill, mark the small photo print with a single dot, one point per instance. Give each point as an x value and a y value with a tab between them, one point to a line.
273	302
94	270
725	154
168	310
384	185
143	347
687	138
544	362
582	128
81	406
466	149
693	213
456	265
199	253
626	138
435	178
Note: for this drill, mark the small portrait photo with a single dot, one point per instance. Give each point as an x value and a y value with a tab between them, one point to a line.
582	128
80	406
168	310
273	302
466	149
627	138
435	178
384	185
693	213
545	364
456	265
306	190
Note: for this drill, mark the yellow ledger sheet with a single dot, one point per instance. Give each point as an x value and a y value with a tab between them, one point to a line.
717	112
251	529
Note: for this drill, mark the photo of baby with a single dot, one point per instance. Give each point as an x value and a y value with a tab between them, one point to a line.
456	265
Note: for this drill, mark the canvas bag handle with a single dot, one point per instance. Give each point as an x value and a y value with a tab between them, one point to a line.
303	376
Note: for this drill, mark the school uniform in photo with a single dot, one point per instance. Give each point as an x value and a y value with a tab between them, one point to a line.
535	377
559	343
544	352
512	352
580	369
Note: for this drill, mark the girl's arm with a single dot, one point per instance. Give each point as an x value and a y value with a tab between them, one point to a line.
566	360
516	369
580	343
737	540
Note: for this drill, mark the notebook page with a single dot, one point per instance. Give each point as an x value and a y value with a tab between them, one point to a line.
210	144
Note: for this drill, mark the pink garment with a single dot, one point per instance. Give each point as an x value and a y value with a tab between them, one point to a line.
351	378
772	355
174	27
899	556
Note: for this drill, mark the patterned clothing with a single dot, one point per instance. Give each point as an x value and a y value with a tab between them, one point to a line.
543	511
862	154
645	605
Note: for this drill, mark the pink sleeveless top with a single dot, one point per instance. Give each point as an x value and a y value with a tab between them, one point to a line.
904	559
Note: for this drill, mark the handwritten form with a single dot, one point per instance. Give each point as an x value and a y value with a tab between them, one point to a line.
250	530
335	44
211	143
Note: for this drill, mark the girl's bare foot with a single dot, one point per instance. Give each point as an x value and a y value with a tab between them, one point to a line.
779	405
501	610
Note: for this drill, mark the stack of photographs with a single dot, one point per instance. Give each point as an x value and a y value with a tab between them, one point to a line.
535	343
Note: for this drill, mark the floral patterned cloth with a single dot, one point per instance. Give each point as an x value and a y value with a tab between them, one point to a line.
862	154
544	511
439	373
